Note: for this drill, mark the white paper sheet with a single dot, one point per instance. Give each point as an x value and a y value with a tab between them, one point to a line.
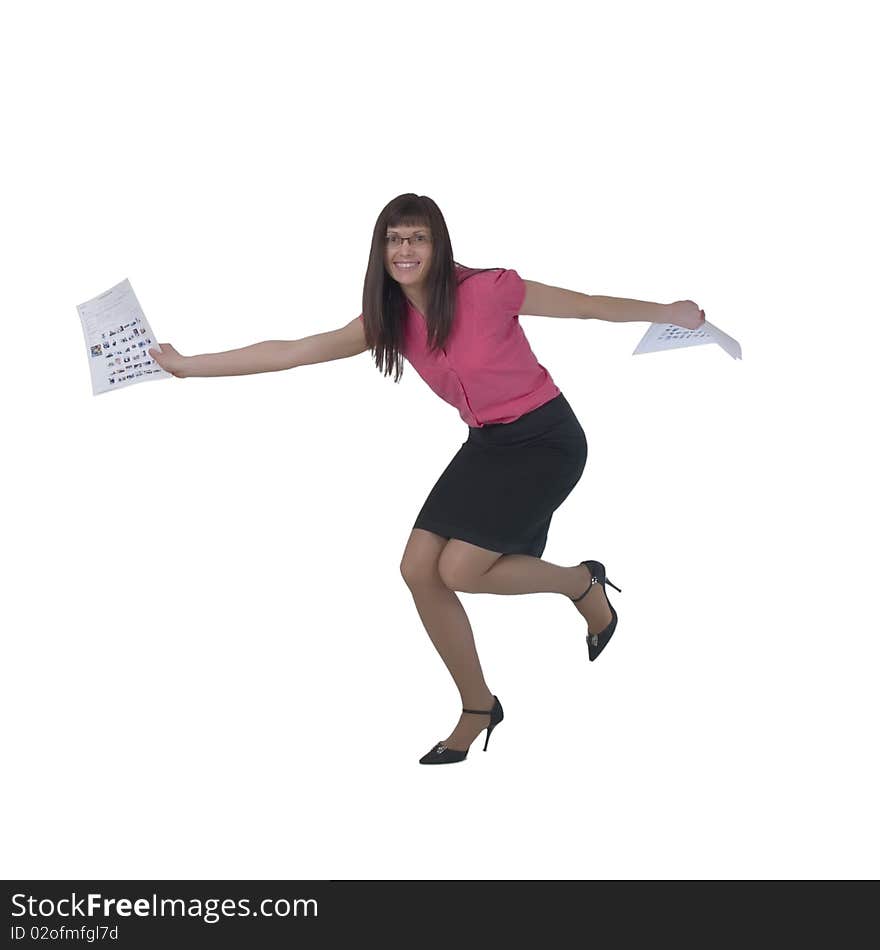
667	336
118	337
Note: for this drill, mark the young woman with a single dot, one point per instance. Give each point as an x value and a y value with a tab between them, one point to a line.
483	526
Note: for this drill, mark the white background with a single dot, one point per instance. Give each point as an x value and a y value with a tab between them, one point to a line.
212	665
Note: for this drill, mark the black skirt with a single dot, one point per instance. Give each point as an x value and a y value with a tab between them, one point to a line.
502	486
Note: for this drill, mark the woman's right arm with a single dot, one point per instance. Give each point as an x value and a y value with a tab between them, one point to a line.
267	357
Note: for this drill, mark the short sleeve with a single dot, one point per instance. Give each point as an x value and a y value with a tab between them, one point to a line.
510	289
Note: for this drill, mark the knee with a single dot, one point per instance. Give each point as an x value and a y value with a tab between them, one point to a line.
454	576
418	572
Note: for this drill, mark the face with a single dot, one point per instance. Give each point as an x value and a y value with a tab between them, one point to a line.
416	252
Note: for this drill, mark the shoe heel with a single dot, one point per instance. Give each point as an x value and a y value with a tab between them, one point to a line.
488	733
611	583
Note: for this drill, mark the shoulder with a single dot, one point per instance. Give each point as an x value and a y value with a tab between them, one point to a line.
464	274
486	278
499	285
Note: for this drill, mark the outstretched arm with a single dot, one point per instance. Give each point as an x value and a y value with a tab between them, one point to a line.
268	356
542	300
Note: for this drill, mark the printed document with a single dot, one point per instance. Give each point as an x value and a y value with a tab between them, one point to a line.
118	337
667	336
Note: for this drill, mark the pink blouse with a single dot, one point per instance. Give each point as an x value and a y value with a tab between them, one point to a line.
487	369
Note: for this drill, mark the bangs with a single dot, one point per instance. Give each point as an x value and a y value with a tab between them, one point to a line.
414	219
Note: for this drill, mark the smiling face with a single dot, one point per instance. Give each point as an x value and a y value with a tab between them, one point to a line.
415	252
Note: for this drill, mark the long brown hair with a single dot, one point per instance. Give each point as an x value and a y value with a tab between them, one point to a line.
384	303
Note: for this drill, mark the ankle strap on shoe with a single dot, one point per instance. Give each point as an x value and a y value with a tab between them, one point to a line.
482	712
595	580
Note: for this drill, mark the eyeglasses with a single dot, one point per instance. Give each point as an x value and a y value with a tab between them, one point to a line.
395	240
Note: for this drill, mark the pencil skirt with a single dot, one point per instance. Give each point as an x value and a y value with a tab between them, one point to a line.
501	488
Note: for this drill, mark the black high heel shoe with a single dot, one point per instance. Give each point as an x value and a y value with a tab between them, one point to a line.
597	642
441	754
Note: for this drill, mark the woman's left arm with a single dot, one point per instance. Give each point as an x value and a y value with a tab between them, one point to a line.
542	300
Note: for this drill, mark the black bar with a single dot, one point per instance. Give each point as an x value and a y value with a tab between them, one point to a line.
303	913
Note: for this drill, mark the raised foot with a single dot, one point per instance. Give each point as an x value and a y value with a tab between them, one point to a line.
594	607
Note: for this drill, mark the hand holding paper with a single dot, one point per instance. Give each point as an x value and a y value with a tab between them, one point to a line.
684	313
169	359
118	337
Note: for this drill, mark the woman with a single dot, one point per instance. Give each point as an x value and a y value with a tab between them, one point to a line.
483	526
